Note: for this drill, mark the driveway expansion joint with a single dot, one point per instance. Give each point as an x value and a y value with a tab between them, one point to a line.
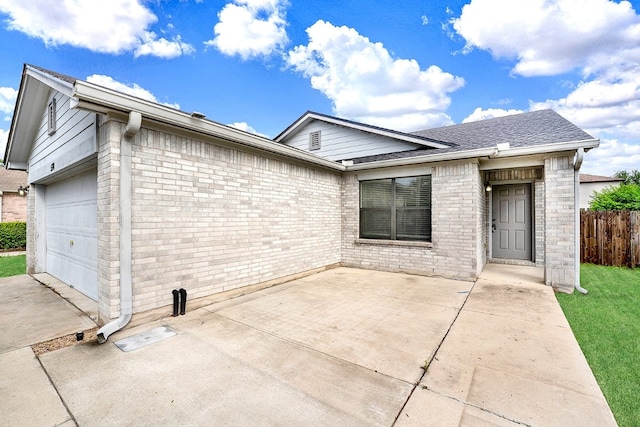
427	364
53	385
315	350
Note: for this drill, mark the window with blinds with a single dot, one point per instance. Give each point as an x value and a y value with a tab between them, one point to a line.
396	208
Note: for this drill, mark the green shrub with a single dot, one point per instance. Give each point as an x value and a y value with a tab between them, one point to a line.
624	197
13	235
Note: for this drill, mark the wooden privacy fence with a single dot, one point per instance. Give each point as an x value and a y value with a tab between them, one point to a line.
610	238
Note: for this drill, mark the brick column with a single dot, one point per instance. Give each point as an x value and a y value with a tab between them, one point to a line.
109	135
559	215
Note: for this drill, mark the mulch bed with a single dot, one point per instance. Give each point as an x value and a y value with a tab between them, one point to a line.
64	341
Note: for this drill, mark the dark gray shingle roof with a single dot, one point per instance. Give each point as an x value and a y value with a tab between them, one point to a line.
519	130
60	76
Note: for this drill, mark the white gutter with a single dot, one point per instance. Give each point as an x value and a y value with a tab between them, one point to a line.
577	163
99	99
126	304
429	158
491	152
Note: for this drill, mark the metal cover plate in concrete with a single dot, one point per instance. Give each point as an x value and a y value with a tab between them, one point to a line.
143	339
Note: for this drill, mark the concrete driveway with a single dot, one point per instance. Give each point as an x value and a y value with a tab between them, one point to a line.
342	347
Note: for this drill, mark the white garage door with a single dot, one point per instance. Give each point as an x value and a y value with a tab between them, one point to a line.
72	232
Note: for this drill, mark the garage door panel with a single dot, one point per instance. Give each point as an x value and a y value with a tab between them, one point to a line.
71	232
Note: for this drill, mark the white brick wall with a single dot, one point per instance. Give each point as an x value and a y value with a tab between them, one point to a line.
559	217
31	230
208	218
109	134
539	203
457	229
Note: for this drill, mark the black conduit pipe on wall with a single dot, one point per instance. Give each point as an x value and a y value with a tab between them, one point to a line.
183	300
176	296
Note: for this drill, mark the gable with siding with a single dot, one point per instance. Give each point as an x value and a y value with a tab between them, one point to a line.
340	143
70	149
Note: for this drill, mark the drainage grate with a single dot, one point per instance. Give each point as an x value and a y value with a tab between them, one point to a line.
143	339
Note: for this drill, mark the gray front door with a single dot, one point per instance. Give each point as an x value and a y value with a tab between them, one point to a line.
511	222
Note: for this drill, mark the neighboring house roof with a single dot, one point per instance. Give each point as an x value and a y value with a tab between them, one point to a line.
310	116
11	180
586	178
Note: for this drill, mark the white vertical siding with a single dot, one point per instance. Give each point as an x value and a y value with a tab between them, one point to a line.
340	143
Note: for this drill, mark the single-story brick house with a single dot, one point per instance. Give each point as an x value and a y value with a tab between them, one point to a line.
13	203
130	199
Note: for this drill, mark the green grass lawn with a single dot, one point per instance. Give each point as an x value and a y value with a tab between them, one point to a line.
606	323
13	265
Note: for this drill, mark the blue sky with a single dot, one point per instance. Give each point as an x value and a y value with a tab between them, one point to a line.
409	65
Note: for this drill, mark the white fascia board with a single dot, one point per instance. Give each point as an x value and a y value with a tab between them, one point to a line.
32	93
431	158
100	99
512	162
17	166
491	153
361	127
586	144
62	86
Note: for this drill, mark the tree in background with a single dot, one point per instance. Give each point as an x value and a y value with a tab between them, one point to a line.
632	177
622	198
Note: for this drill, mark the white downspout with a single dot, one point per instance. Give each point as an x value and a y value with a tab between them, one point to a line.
577	163
126	309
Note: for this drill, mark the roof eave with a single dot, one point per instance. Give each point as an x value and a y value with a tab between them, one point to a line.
491	152
30	77
308	116
100	99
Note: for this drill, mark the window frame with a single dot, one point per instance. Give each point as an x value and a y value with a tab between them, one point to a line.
394	209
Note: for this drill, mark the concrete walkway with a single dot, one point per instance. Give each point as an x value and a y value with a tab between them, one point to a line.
342	347
510	358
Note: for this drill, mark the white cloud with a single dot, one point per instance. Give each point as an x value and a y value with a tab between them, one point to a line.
548	37
599	38
610	157
4	137
247	128
609	102
490	113
365	83
130	89
162	47
121	26
8	96
250	28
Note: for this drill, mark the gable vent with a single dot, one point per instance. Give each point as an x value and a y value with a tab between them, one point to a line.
51	117
314	140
